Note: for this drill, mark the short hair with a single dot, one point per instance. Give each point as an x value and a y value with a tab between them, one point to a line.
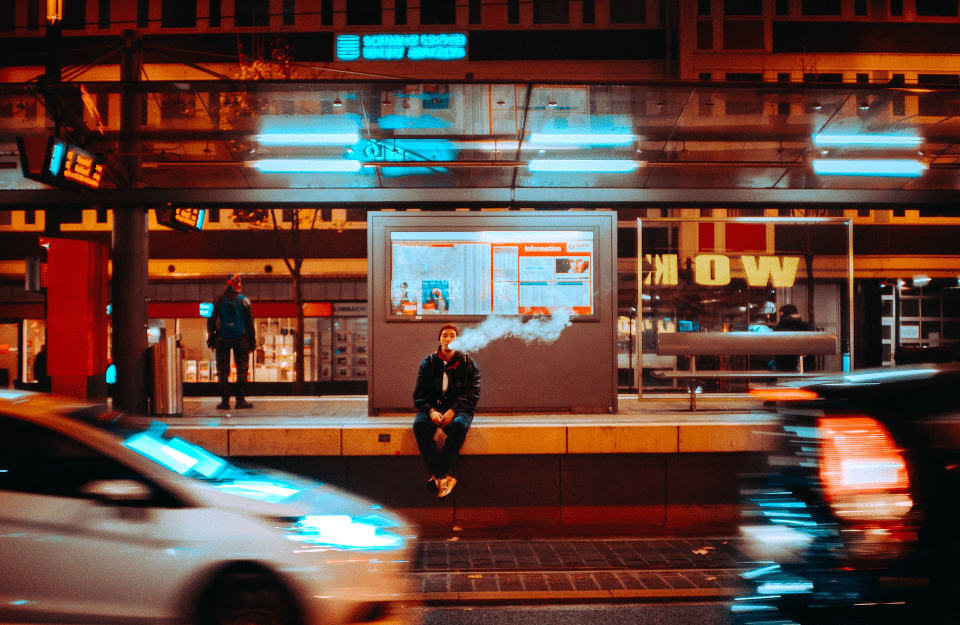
789	310
233	282
448	326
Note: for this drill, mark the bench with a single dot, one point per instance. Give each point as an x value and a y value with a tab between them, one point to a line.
695	344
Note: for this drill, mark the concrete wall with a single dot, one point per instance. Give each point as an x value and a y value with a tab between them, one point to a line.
635	492
577	372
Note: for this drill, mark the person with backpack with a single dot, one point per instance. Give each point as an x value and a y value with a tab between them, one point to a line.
445	396
230	327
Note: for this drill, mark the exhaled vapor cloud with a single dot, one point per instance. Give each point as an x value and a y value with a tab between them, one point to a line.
545	330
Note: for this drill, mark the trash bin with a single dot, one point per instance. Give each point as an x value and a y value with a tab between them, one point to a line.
167	378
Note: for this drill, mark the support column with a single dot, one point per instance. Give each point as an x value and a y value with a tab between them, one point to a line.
130	252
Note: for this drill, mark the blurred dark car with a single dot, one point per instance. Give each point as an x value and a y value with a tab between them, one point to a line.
858	518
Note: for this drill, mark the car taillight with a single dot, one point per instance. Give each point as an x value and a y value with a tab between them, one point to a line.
863	473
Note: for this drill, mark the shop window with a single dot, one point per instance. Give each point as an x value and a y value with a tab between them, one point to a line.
438	12
74	15
364	13
820	7
400	12
178	14
350	353
7	19
178	106
551	11
513	11
938	104
703	7
743	35
743	7
103	14
215	13
628	11
896	8
936	8
289	12
143	13
251	13
783	7
589	11
860	8
326	13
704	35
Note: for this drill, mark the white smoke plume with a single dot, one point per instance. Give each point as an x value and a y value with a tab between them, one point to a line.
492	328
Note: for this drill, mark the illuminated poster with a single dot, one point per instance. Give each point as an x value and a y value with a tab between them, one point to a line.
500	272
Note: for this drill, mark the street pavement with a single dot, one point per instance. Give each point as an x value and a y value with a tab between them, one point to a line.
468	571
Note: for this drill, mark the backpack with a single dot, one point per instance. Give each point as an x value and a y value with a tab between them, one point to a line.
232	322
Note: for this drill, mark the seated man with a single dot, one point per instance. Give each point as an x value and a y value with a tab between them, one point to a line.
446	394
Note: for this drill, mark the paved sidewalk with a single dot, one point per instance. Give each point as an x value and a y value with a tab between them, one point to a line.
467	572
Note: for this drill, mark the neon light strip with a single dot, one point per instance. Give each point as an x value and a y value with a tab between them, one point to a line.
304	166
826	138
56	157
581	139
319	138
599	166
853	167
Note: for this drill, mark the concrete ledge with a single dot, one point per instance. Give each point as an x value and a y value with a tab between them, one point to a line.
392	439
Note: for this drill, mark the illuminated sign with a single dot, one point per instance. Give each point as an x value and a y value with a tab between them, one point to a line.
69	166
500	272
714	270
402	47
184	219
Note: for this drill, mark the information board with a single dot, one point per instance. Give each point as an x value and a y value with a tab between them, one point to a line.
528	272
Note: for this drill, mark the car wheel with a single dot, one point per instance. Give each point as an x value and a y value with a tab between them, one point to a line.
246	595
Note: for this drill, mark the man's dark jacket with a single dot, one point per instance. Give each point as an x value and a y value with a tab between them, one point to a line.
463	386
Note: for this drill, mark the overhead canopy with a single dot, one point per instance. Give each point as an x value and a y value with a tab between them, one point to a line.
471	144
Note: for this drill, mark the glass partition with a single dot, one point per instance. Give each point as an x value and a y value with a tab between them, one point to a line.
703	276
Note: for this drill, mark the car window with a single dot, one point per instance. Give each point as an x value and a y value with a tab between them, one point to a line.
37	460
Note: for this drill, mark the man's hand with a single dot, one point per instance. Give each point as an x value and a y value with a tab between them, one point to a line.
436	417
447	417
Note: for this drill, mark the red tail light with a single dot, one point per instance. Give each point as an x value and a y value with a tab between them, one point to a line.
862	471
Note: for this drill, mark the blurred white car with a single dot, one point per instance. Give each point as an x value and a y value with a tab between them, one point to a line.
100	527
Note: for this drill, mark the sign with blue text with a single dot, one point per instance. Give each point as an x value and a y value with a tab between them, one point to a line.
402	47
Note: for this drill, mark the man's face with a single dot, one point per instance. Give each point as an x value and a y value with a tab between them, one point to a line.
447	337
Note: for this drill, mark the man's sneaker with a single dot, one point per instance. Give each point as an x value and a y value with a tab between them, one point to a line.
224	405
446	486
242	403
432	485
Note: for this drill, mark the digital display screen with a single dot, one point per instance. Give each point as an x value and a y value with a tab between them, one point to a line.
492	272
72	167
185	219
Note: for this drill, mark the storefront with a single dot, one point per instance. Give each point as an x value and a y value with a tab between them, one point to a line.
335	346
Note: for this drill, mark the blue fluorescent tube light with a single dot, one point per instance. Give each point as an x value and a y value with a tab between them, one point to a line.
866	167
837	139
307	166
308	138
581	138
585	165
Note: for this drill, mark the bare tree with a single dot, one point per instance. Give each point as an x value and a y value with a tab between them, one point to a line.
294	249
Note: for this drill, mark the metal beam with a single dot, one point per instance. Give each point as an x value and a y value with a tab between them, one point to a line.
492	197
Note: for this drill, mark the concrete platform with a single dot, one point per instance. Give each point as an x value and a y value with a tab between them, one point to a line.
653	466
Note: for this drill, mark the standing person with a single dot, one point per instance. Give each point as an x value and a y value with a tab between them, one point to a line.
790	321
230	327
446	394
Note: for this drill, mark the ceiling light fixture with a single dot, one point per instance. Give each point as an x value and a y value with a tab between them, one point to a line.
581	139
869	167
841	139
610	166
304	166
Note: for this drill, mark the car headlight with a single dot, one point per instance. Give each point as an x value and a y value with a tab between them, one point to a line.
344	531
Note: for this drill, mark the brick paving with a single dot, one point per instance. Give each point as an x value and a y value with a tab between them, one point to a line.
576	569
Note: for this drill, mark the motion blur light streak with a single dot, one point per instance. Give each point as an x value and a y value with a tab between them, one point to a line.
581	138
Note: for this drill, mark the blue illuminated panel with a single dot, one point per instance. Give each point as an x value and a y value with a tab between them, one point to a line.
402	47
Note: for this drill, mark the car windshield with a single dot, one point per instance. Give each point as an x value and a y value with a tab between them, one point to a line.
180	456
